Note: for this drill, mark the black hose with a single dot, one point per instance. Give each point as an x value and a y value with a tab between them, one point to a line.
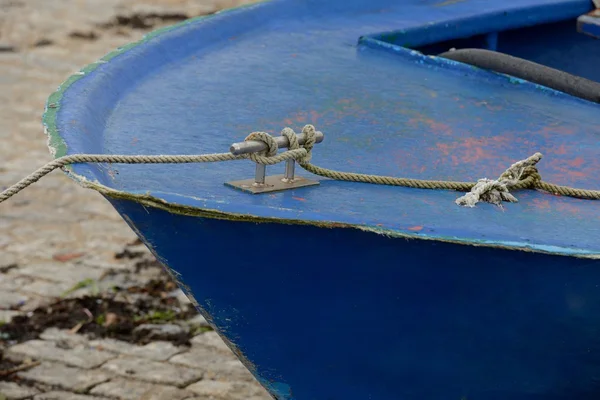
529	71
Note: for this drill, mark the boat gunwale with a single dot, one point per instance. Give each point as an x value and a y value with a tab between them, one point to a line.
58	147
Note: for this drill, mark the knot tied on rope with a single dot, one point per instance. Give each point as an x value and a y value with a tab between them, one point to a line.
521	175
302	154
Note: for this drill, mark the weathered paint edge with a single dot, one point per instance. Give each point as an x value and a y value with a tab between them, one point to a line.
56	144
58	148
180	209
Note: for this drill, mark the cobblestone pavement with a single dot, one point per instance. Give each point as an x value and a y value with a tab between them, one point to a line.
56	235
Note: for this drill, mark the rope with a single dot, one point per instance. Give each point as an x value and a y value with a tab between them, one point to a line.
521	175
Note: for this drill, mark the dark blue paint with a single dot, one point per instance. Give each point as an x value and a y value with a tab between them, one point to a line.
382	318
557	45
590	24
351	314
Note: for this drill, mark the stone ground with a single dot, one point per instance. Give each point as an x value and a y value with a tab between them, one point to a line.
85	311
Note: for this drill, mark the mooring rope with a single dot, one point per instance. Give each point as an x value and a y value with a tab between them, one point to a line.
521	175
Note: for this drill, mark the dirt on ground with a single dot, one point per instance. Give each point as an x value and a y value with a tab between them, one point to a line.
113	314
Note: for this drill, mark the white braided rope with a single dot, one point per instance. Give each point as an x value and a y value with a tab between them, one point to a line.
141	159
521	175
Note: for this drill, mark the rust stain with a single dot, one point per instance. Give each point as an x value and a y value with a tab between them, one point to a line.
417	228
299	198
301	118
576	163
541	204
568	205
314	117
434	126
479	150
134	140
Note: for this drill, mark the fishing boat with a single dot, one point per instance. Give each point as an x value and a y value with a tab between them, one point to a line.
331	243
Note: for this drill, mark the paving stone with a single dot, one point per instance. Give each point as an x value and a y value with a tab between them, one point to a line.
7	315
158	351
61	272
59	395
65	377
12	391
152	371
162	331
202	357
229	370
7	261
11	282
47	350
229	390
46	289
138	390
210	339
55	335
9	300
198	320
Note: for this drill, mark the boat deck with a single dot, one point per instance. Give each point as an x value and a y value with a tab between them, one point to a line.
383	109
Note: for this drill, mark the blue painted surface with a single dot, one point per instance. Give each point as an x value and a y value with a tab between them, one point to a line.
388	319
590	25
204	86
365	316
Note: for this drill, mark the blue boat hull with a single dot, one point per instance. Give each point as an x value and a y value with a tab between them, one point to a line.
339	313
345	290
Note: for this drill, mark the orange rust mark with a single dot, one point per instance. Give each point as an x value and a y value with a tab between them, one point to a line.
541	204
288	122
294	55
434	126
233	38
417	228
299	198
565	205
576	163
314	116
569	173
443	148
474	150
134	140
